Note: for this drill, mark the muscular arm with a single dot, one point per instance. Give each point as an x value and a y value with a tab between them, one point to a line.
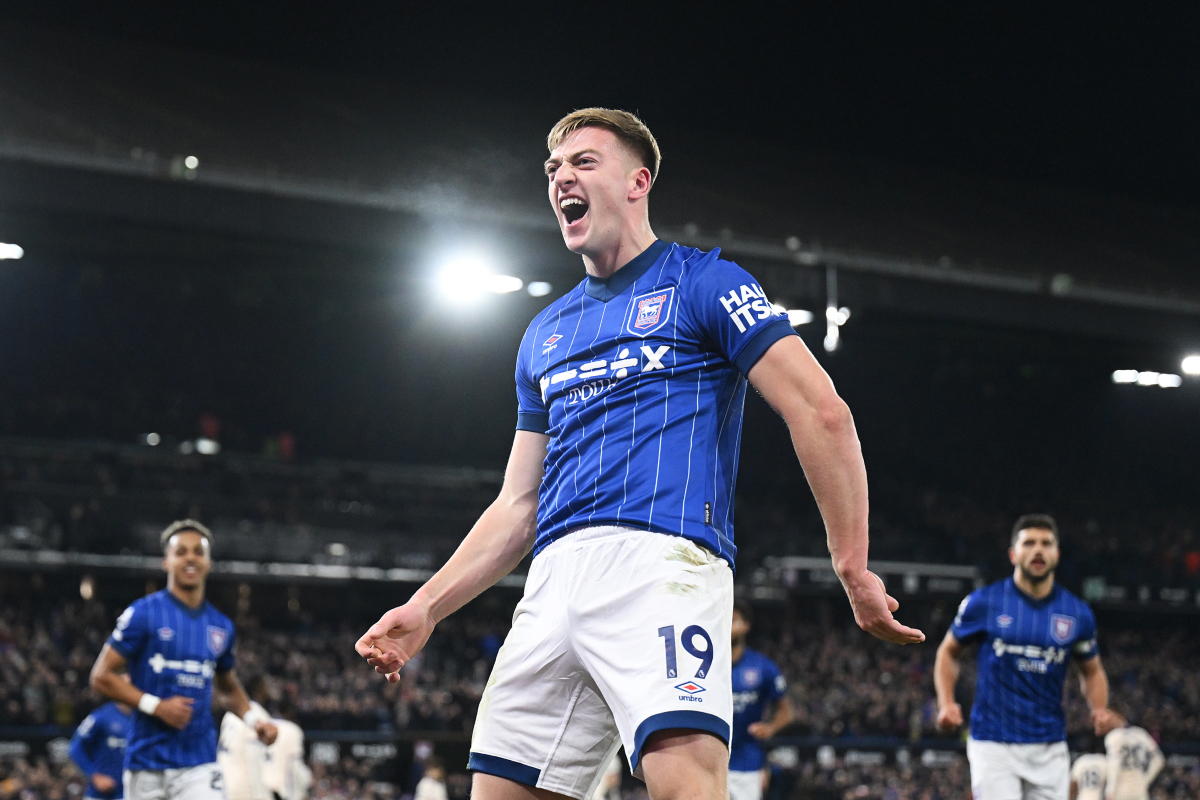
945	676
176	711
503	536
823	434
1093	683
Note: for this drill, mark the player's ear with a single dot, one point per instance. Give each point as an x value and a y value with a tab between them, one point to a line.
639	183
1012	556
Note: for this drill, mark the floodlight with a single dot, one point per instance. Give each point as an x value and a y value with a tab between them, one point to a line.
11	251
191	162
1191	365
207	447
503	284
1169	381
1148	378
1125	376
464	278
539	288
799	316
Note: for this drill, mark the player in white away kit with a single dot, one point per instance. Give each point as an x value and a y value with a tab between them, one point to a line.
621	480
1134	761
1087	777
178	648
1029	629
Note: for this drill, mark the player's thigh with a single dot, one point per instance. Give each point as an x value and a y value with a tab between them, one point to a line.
492	787
994	774
201	782
144	784
745	785
1047	772
650	621
682	764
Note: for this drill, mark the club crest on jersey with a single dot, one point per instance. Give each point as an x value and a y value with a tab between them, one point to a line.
1061	627
650	311
1004	620
691	687
750	677
217	637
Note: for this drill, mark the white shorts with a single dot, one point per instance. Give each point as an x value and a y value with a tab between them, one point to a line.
1004	771
201	782
621	633
745	785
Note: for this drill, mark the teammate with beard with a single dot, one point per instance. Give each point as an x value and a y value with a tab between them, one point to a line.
1029	627
621	482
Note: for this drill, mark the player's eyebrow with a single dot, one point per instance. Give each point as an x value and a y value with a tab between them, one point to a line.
554	161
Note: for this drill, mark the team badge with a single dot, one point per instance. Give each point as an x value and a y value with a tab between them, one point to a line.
691	687
1061	627
217	637
1004	620
650	311
750	677
166	634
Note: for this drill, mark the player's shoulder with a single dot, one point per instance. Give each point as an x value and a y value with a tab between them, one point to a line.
694	264
757	658
214	616
1073	602
554	309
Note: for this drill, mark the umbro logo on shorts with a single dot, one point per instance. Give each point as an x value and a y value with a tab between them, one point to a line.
691	687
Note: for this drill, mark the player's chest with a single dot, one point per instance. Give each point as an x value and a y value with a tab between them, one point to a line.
1034	641
192	646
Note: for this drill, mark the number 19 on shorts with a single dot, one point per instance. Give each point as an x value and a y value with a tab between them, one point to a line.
690	633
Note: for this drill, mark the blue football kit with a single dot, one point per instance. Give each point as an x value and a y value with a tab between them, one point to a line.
98	746
640	379
757	685
1024	648
173	650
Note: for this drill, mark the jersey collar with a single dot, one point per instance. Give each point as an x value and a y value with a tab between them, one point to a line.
605	289
1033	601
194	613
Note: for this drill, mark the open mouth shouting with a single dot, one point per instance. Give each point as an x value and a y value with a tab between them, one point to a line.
573	210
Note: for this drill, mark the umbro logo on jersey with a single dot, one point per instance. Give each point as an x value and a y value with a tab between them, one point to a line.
166	634
691	687
549	344
1004	620
746	305
650	311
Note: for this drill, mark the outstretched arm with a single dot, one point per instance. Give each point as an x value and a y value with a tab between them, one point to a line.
234	698
823	434
945	676
496	544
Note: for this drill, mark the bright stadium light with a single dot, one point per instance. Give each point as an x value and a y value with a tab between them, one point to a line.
1148	378
191	162
1169	381
466	278
1125	376
11	251
1191	365
539	288
504	284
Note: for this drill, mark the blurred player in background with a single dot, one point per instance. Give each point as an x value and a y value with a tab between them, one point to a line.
621	481
243	758
98	748
758	685
286	775
1087	777
177	648
1029	628
1134	761
432	785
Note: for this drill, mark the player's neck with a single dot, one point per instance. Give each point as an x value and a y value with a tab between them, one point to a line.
737	652
192	597
1039	590
633	242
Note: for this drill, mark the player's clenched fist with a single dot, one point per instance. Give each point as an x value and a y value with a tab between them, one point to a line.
175	711
950	717
398	636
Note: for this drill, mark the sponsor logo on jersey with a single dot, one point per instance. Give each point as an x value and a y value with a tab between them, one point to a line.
650	311
606	373
1004	620
746	305
743	700
1031	658
166	634
1061	627
217	637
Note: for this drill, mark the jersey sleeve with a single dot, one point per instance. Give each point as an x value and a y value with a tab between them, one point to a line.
226	659
82	743
532	414
131	633
1086	646
971	620
732	311
776	683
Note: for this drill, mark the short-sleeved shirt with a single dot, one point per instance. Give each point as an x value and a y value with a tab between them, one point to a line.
1088	772
98	746
173	650
1134	760
1025	646
757	684
639	380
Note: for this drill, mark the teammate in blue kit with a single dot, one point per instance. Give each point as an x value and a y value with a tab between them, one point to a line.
98	749
1029	629
177	647
621	482
758	685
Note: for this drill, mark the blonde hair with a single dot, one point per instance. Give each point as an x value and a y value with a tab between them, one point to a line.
632	132
181	525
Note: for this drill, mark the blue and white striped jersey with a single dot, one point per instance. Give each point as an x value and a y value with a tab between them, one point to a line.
639	380
1022	662
757	684
98	746
173	650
